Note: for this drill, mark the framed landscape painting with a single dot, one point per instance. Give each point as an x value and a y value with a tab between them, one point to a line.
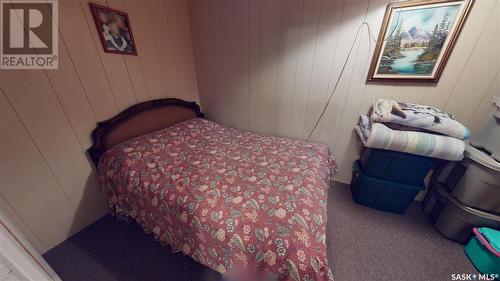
416	40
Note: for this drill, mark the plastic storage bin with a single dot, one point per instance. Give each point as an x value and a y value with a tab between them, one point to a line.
475	181
453	219
382	194
489	133
396	166
484	251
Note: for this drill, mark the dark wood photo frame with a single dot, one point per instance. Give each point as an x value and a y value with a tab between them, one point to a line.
413	48
114	30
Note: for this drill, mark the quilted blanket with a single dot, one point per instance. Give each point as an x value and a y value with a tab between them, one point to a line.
377	135
418	116
233	200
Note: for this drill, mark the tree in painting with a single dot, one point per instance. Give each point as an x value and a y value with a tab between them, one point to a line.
393	45
436	41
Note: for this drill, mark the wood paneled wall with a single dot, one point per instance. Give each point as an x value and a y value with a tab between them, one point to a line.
269	66
262	65
47	184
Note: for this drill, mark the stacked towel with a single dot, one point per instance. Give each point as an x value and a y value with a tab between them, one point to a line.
421	130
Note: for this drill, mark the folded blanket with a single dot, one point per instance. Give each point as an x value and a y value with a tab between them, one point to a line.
365	126
380	136
418	116
400	127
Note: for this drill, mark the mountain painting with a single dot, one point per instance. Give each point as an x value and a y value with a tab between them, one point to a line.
417	39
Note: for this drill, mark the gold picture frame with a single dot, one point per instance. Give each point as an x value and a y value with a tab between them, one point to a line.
416	40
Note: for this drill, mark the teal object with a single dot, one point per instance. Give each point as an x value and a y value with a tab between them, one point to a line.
492	236
396	166
382	194
481	248
467	134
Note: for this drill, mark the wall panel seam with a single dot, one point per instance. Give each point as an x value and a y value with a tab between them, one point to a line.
24	222
140	62
126	67
63	109
277	96
172	49
248	66
74	68
296	65
483	97
78	75
100	58
130	78
339	24
43	157
312	71
341	116
165	86
469	57
369	57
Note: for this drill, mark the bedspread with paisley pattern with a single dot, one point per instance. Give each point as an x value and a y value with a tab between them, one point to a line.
230	199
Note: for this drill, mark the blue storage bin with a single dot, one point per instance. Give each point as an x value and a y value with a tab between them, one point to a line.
382	194
396	166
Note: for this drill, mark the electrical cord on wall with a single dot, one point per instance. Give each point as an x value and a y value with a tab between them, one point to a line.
372	38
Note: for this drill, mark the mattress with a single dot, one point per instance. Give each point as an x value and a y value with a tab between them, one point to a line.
233	200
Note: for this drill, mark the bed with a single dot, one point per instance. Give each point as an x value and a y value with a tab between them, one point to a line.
233	200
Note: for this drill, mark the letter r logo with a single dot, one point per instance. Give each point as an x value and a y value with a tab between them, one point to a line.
27	27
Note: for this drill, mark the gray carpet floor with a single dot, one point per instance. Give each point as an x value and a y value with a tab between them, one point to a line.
363	244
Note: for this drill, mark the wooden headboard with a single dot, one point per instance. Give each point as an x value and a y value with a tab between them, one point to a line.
140	119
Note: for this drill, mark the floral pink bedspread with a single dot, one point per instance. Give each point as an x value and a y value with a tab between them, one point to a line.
230	199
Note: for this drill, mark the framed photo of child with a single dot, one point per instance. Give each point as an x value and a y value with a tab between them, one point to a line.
114	30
